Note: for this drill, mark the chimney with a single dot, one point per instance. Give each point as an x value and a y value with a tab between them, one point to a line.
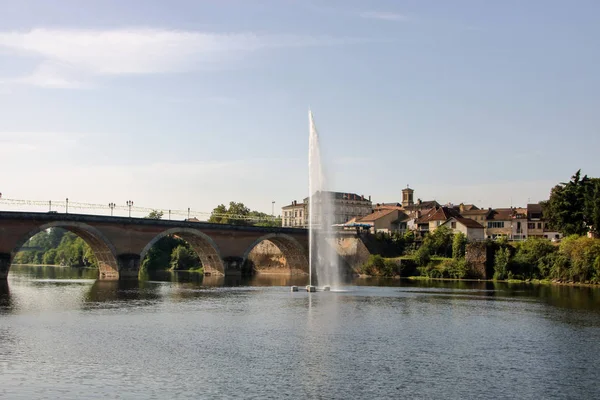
369	197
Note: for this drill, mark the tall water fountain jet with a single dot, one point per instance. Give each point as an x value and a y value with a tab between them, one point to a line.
323	259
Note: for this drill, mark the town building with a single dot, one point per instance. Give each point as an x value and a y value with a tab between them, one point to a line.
473	230
480	216
386	220
535	223
345	207
435	218
499	223
294	215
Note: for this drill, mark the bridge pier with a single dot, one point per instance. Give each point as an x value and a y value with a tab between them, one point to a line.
4	265
233	265
129	266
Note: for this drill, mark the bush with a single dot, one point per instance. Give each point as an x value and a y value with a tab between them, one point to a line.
582	253
423	255
379	266
457	269
532	258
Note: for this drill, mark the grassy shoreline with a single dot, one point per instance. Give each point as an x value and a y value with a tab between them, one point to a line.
509	281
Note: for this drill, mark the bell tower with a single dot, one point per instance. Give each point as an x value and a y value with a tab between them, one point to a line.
407	197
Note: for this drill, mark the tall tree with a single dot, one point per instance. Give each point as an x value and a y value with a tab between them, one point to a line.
219	215
236	214
592	205
567	208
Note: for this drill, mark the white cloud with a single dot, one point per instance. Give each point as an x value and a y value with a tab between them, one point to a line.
69	57
384	15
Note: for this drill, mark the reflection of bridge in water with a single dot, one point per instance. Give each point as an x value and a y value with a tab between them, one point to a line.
120	243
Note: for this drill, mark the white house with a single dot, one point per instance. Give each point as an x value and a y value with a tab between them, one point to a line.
472	229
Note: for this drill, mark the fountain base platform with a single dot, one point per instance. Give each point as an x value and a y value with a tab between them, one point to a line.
312	289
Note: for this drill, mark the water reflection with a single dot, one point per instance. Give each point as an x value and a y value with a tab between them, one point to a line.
190	279
51	272
182	284
121	290
376	339
5	301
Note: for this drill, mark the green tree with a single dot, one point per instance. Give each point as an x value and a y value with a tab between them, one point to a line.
501	262
155	214
49	257
219	215
459	245
239	214
440	241
572	206
262	219
423	255
592	205
55	235
159	255
531	259
74	252
183	258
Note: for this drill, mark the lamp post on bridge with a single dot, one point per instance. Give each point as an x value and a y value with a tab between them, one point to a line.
67	205
129	204
188	213
273	208
112	207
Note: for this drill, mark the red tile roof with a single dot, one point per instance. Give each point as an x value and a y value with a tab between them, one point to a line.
467	213
439	214
501	214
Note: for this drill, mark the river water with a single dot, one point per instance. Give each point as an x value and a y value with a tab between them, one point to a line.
178	336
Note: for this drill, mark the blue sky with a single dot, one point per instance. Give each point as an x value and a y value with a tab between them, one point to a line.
195	103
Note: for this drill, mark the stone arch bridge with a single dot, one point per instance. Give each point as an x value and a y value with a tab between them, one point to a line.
121	243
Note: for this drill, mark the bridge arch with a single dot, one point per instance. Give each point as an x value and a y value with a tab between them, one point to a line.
103	249
203	245
294	253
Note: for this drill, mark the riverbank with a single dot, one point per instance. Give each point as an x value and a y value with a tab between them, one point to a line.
509	281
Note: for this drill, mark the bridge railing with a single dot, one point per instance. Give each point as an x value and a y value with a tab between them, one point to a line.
108	209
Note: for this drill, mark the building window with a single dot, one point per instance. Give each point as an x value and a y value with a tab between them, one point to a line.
531	225
295	214
495	224
453	225
539	225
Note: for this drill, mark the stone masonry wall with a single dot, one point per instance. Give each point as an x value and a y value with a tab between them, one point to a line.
476	257
267	258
